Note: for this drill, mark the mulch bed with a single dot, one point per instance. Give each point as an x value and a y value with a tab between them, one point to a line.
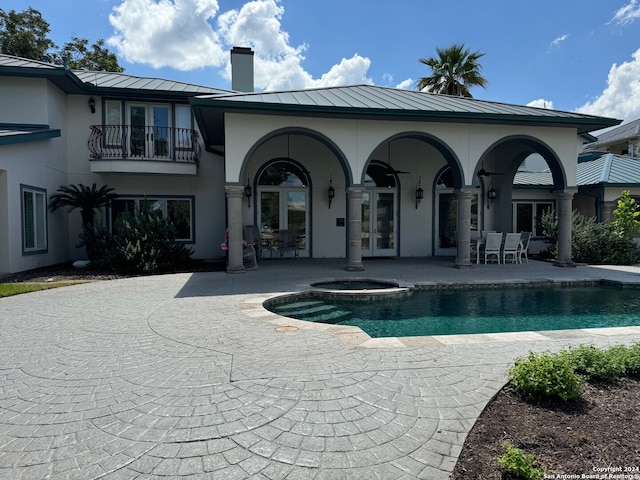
66	272
601	430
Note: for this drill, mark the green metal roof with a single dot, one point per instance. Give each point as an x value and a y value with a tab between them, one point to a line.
371	100
122	81
374	102
605	169
101	83
17	133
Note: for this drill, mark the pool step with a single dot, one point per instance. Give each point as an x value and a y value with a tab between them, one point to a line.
313	311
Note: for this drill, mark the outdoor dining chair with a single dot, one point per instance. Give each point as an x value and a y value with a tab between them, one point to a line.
511	247
492	246
525	239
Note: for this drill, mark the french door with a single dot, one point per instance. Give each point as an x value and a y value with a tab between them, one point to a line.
284	209
446	221
379	235
150	133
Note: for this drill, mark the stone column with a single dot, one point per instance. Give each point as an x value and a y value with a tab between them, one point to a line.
354	239
463	227
564	207
234	194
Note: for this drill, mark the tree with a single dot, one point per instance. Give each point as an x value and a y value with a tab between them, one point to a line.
87	199
80	57
24	34
626	221
453	72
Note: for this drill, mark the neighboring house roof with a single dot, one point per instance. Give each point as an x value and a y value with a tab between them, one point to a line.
603	169
101	83
13	133
615	135
370	101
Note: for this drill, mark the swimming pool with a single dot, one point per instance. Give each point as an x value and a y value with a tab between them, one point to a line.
454	311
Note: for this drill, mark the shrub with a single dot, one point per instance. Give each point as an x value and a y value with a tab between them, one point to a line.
522	465
142	243
597	365
626	222
545	377
629	357
591	241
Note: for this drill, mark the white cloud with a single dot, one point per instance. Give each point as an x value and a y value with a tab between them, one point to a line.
408	84
627	14
541	103
167	33
179	34
621	98
556	42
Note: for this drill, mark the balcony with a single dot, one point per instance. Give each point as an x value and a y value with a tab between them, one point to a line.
133	149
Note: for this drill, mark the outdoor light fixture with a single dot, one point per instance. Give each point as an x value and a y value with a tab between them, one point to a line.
331	193
248	192
419	192
491	196
92	105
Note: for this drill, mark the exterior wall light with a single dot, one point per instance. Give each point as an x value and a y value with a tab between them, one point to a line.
92	105
419	192
491	196
248	192
331	192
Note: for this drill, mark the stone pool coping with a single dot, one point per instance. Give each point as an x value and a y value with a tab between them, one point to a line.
354	337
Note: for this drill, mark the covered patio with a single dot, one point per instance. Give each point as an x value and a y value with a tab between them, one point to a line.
364	171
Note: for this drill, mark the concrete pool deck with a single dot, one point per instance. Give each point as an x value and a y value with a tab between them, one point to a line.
186	376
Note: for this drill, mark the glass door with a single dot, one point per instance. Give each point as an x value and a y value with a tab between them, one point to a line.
283	209
150	131
379	223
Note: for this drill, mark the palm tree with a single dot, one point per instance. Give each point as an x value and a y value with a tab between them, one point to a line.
85	198
453	72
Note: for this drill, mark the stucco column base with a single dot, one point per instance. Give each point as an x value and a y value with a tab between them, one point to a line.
565	264
354	239
234	214
463	228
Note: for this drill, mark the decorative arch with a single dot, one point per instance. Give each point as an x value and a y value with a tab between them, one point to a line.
340	156
531	145
448	154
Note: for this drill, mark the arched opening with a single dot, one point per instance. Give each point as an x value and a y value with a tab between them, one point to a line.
283	200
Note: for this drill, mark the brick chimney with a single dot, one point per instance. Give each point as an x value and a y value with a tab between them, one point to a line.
242	69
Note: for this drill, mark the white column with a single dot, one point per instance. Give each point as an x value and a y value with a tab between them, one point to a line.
564	201
463	227
234	194
354	254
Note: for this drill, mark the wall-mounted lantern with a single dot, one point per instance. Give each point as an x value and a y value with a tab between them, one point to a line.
248	192
491	196
419	192
331	192
92	105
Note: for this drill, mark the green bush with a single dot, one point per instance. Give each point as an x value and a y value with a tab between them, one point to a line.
591	242
629	357
139	244
597	365
519	464
545	377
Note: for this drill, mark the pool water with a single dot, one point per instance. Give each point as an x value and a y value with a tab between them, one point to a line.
469	311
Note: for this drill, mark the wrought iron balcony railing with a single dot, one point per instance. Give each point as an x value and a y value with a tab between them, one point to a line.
110	142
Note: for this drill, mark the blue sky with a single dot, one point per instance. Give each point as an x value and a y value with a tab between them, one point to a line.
566	54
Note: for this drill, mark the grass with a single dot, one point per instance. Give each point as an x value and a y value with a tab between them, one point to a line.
8	289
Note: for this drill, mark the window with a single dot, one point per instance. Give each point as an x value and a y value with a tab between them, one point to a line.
183	127
34	219
179	211
528	216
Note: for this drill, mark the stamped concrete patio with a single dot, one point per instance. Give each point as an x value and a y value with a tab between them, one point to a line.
186	376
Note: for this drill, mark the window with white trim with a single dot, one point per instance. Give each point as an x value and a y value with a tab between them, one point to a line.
179	211
34	219
527	216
